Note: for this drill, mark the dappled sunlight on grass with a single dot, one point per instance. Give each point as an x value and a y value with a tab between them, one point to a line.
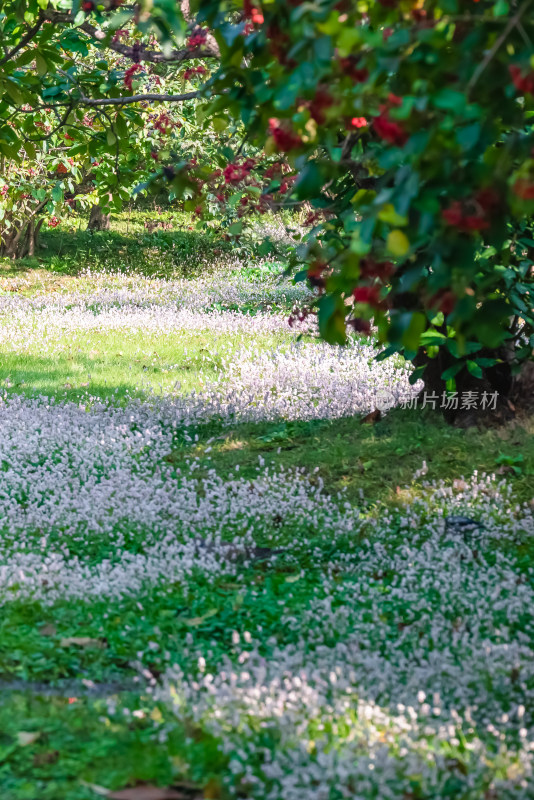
221	569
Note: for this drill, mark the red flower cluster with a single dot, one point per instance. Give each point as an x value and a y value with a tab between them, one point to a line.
323	99
197	39
472	214
129	75
53	222
524	188
388	129
312	218
367	294
523	83
349	66
119	34
4	190
191	71
164	123
272	171
369	268
279	44
285	138
444	300
287	183
459	217
359	122
315	274
298	316
234	173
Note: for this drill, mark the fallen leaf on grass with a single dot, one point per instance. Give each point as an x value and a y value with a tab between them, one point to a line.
48	630
27	737
460	485
146	793
82	641
101	790
194	621
374	416
41	759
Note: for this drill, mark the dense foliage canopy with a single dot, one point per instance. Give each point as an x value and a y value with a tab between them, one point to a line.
404	128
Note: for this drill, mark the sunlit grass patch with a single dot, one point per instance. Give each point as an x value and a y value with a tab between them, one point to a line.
119	364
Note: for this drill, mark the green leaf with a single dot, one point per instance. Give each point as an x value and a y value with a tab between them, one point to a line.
452	371
417	374
450	100
501	8
411	335
431	337
331	318
474	369
42	66
468	137
309	182
57	193
121	127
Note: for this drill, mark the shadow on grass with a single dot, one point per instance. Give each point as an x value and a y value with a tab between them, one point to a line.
378	460
157	254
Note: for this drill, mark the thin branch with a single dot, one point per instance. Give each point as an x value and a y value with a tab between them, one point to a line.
512	22
138	98
137	54
24	41
153	56
61	123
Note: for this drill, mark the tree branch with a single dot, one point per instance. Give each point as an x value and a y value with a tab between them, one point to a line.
138	98
512	22
28	36
138	54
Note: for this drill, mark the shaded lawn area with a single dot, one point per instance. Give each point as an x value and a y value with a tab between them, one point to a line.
373	461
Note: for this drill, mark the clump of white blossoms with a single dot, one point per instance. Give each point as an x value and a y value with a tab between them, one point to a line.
411	673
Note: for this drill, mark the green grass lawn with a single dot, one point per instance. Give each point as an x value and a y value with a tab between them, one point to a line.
103	690
121	364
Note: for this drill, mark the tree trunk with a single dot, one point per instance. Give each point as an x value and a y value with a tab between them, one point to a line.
98	221
490	397
22	241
